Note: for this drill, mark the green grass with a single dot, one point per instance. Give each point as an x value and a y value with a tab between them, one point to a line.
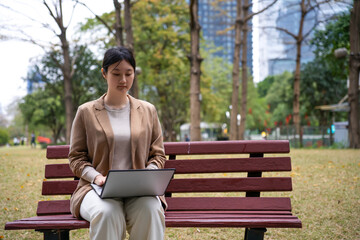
325	196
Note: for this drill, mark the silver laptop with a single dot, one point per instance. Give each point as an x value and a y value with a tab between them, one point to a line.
135	183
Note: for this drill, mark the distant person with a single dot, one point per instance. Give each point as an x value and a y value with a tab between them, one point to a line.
187	139
264	135
117	131
33	143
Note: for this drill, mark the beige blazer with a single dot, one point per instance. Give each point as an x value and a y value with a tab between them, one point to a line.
92	142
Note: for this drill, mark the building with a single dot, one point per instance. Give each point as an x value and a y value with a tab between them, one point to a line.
217	27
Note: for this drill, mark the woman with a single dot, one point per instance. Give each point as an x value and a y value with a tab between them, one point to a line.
116	131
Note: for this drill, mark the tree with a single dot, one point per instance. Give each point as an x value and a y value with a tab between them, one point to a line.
324	78
241	29
130	42
161	41
354	65
66	65
45	106
118	24
320	87
118	34
195	72
325	41
305	8
236	74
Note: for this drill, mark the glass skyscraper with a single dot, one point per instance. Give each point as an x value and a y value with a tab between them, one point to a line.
217	20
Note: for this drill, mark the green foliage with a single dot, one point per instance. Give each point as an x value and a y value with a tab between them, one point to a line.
320	87
161	42
279	97
258	115
4	136
215	88
334	36
264	86
161	39
324	79
87	81
45	106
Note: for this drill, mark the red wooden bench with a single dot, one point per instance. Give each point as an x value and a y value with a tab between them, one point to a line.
244	208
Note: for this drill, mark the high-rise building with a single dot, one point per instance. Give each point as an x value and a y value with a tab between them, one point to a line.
217	19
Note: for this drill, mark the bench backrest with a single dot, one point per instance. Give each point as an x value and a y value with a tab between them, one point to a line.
222	158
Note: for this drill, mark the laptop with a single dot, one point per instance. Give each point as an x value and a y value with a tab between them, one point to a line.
135	183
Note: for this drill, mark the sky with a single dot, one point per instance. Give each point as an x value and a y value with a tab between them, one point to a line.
15	55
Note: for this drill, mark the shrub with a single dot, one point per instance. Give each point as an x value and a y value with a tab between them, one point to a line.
4	136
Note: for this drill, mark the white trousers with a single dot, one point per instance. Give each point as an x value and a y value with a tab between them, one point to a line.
142	217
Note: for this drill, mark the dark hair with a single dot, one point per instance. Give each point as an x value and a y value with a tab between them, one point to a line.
117	54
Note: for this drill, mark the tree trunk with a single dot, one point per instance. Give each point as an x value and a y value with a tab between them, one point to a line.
236	73
354	62
66	67
244	73
195	72
134	91
118	24
66	70
296	97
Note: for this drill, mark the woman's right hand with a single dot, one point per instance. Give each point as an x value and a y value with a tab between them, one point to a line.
99	180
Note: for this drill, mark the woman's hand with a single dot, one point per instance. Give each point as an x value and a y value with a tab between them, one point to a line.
99	180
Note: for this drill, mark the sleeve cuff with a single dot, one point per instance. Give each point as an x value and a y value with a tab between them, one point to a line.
152	166
89	174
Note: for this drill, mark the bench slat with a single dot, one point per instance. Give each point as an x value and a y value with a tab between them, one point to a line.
225	223
58	171
198	166
227	147
59	187
48	222
229	203
187	148
53	207
256	184
230	165
271	184
250	221
57	152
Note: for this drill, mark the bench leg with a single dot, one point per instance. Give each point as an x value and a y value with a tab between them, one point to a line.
56	234
254	233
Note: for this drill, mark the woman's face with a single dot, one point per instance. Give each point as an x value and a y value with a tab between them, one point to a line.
119	77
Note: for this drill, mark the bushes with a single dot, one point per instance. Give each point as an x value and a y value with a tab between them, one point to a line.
4	137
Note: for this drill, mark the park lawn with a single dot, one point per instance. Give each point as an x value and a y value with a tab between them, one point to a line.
325	196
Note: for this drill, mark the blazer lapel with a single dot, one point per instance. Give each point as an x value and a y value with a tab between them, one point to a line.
136	115
104	121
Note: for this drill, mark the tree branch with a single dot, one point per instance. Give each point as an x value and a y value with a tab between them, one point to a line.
98	18
50	11
262	10
286	31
